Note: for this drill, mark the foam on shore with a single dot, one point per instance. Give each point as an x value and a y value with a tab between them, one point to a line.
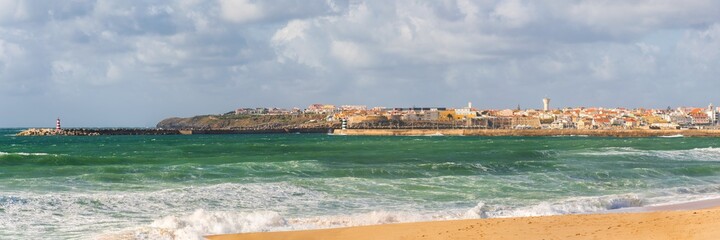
694	224
202	222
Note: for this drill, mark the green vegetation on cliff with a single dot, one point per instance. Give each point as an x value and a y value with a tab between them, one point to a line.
232	121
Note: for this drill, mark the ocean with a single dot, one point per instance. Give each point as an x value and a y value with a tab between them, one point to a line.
188	186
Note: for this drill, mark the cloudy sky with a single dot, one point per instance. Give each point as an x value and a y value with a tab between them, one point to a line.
133	63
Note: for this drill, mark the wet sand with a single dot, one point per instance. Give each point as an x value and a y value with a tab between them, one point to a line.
694	220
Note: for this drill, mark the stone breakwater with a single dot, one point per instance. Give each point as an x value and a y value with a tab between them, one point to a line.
151	131
531	132
95	132
381	132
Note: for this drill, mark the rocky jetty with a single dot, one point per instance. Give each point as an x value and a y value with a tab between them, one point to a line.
95	132
157	131
53	132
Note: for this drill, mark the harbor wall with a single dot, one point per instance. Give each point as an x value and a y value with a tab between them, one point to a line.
386	132
530	132
153	131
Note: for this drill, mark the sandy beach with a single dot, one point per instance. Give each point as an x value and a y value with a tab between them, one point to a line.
680	221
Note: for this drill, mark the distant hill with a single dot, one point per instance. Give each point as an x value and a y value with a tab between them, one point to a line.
232	121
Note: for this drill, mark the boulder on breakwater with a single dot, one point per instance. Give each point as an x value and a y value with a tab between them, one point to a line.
158	131
43	132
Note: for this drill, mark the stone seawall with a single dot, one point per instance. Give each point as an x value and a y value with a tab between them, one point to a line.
528	132
95	132
151	131
382	132
263	131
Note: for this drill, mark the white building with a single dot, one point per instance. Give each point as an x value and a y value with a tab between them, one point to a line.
712	114
353	107
546	104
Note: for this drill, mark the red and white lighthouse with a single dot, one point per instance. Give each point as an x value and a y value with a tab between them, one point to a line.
57	125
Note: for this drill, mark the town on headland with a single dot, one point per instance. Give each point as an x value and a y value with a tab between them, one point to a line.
361	120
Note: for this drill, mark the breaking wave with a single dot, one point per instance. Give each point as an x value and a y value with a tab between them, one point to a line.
673	136
24	154
200	222
695	154
25	214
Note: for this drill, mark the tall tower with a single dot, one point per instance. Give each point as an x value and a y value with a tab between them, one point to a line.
469	105
712	113
57	125
546	104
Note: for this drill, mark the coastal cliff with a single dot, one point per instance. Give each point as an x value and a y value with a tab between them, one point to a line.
247	122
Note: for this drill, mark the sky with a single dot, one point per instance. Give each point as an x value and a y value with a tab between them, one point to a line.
100	63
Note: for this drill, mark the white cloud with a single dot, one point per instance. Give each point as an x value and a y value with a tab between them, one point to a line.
290	43
469	9
648	48
637	17
604	69
248	52
159	52
702	45
105	8
514	13
240	11
16	73
293	30
252	11
113	72
9	50
12	10
158	10
65	72
351	54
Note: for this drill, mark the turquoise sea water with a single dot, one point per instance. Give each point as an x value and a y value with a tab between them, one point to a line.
183	187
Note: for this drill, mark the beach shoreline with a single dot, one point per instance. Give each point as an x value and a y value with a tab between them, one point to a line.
689	220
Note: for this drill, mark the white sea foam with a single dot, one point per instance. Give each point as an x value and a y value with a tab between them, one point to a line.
201	223
193	212
695	154
479	211
700	154
597	204
575	206
24	154
451	165
437	134
673	136
608	203
54	214
612	151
